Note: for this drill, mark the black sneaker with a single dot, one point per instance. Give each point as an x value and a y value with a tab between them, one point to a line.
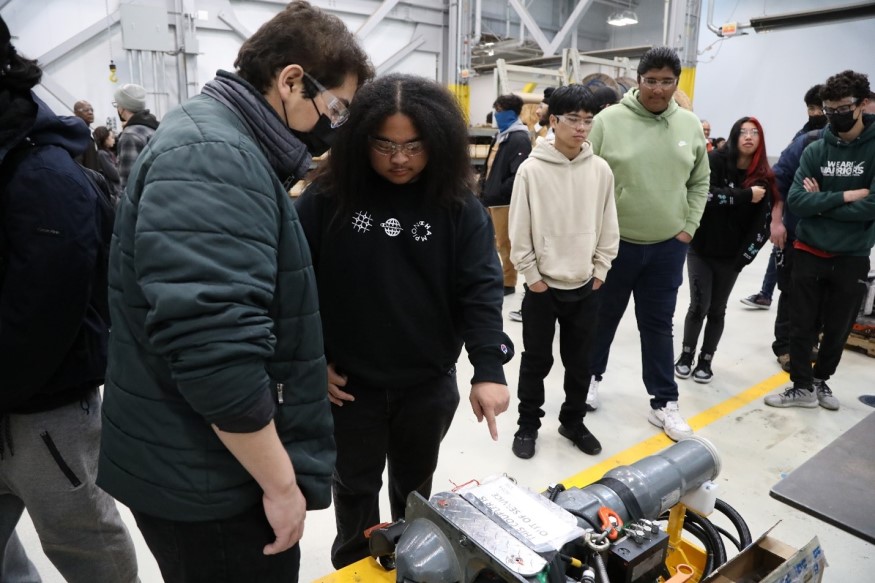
509	290
524	443
582	438
683	368
703	373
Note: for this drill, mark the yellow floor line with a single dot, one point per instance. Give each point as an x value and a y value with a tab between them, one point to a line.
661	441
367	570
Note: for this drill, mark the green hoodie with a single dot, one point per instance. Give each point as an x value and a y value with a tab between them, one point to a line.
660	166
826	221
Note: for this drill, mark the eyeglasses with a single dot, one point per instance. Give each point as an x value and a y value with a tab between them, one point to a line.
575	122
751	132
654	83
387	148
337	112
114	104
841	108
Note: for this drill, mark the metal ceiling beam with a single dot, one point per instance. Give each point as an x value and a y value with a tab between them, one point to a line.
419	11
400	55
573	19
57	91
3	3
78	39
533	27
236	27
375	18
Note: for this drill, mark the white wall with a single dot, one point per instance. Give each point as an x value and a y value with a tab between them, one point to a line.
41	25
767	75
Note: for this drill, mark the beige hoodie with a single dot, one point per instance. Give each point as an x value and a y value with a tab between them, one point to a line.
563	218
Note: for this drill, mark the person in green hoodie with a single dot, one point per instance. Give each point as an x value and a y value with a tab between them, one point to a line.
832	194
659	158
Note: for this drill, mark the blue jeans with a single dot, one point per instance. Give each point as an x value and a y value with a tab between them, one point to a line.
652	273
771	277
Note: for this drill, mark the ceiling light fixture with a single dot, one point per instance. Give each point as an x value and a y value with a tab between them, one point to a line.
623	17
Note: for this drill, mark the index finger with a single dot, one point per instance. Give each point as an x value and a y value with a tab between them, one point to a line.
490	421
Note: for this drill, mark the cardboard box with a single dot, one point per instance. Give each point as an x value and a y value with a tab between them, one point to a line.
769	560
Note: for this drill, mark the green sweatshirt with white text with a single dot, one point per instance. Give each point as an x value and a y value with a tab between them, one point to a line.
826	221
660	166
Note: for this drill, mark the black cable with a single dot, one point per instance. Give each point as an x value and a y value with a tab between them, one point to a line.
717	541
737	521
699	533
703	530
728	535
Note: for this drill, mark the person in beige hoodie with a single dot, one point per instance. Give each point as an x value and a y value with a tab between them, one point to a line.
564	235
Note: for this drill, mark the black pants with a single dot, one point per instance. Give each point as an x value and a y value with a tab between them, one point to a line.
711	282
835	287
218	551
577	321
403	426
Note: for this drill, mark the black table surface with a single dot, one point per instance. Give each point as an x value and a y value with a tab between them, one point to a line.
837	485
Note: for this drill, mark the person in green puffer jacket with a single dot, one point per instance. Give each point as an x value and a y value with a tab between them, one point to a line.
217	431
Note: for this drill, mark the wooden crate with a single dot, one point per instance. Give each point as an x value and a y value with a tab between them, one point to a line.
861	343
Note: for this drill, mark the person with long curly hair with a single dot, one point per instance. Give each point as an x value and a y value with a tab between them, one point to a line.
407	273
734	227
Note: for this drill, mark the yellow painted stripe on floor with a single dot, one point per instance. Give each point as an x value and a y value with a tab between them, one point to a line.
368	570
661	441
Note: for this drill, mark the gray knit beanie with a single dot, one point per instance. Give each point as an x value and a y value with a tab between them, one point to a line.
131	97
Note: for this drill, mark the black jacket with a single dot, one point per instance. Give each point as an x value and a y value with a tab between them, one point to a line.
403	283
52	333
732	227
512	152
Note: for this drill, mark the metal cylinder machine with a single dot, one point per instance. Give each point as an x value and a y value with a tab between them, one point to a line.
607	532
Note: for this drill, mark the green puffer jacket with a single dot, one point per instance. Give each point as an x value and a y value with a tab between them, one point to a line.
213	305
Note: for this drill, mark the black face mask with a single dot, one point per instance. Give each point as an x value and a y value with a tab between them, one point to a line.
320	138
815	122
842	122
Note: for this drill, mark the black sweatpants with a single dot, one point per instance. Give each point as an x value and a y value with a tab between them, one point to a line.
835	286
711	283
402	426
576	312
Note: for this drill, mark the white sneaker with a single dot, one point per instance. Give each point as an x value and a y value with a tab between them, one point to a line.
592	397
669	418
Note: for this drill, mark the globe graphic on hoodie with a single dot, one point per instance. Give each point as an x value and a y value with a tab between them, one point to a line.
392	227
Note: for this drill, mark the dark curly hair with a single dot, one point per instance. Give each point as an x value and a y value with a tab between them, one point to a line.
447	178
845	84
657	58
812	96
304	35
17	73
509	102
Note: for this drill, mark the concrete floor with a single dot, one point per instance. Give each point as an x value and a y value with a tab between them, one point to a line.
758	444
